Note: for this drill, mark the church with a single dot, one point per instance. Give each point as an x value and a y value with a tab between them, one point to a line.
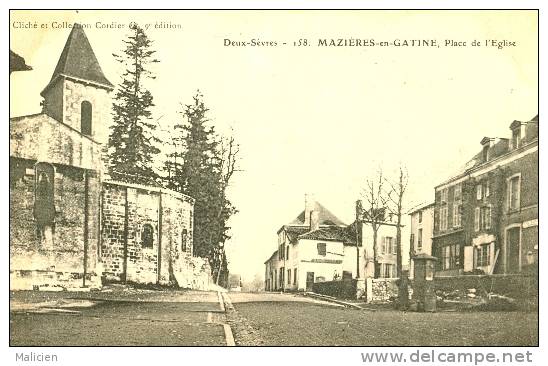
71	226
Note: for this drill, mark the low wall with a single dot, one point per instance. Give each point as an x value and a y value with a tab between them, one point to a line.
52	280
383	290
342	289
516	286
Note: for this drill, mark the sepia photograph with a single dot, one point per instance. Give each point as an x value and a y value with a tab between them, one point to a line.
274	178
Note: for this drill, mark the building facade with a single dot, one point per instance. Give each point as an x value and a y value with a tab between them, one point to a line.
70	226
486	217
422	230
319	247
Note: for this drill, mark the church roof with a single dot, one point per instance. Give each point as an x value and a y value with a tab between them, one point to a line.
78	61
325	217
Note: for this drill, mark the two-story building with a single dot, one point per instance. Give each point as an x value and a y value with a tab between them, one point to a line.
318	247
486	217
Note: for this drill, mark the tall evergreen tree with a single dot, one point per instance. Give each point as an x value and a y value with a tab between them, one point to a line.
131	141
201	166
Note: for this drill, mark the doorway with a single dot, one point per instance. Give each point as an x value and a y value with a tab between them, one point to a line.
309	281
513	250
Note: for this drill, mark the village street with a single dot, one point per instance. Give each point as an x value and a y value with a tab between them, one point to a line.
192	318
287	320
125	317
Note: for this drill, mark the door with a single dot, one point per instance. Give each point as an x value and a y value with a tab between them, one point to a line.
512	248
309	280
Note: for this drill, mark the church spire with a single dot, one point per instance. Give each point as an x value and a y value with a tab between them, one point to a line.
78	62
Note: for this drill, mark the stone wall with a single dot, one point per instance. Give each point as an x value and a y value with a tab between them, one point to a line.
383	290
516	286
41	138
127	208
58	261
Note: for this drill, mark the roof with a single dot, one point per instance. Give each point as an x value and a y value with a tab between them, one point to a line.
332	233
293	232
325	217
499	148
17	63
421	207
78	61
269	258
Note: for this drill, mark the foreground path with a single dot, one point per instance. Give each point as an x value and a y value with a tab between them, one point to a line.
285	320
150	319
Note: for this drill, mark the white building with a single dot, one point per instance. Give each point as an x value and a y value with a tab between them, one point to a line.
318	247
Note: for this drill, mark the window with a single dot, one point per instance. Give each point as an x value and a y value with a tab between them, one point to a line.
485	152
457	193
516	137
450	256
184	237
486	218
289	276
457	219
514	193
321	249
295	276
85	118
420	217
479	193
281	277
477	214
483	255
443	218
388	270
147	236
287	252
487	189
412	241
444	195
419	240
388	245
44	204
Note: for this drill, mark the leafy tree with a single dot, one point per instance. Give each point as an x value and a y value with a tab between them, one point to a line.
132	141
201	166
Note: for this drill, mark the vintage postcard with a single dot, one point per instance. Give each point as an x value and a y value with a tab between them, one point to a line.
275	178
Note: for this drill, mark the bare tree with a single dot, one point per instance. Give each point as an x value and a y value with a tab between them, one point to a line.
229	157
395	195
373	214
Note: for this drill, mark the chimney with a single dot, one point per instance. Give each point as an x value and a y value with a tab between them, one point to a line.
309	206
314	220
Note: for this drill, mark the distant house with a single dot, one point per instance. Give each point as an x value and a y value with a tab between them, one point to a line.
422	230
317	246
486	217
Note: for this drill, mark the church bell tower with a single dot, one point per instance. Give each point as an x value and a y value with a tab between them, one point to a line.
78	92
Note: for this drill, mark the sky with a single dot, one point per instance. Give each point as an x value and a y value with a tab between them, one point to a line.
314	119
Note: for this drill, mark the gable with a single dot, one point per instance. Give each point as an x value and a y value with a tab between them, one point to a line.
41	138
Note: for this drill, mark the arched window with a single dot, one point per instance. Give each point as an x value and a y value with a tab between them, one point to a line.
184	238
44	204
147	236
85	118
